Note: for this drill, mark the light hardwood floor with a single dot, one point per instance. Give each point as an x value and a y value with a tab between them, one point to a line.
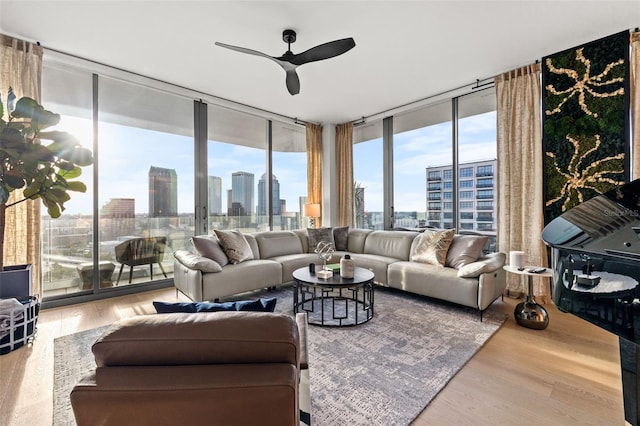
568	374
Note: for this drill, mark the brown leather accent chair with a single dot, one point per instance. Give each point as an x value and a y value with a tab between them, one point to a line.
222	368
141	251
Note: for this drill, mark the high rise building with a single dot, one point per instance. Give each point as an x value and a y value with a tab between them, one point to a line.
242	193
163	192
215	195
477	196
263	208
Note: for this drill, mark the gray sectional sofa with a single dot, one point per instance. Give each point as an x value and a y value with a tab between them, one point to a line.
274	255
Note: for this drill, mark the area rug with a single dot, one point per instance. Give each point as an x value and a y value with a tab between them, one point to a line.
384	372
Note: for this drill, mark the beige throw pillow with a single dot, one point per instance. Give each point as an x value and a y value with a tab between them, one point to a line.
432	246
235	246
465	249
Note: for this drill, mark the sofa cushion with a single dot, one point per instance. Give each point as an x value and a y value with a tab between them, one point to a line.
235	245
209	246
277	243
257	305
340	237
195	261
317	235
485	264
465	249
431	247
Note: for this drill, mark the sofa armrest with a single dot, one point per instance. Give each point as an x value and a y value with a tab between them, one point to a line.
195	261
486	264
301	320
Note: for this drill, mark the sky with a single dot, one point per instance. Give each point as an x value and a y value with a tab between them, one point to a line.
127	153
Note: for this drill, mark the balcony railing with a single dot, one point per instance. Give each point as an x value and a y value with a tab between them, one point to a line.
484	197
485	219
433	179
484	208
484	174
484	185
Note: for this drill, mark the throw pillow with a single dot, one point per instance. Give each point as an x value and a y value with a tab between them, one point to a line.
235	246
195	261
208	246
317	235
465	249
257	305
340	237
432	246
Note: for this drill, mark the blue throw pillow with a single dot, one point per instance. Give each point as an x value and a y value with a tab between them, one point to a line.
258	305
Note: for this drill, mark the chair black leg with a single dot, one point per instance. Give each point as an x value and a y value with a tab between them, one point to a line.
130	273
162	269
119	274
151	270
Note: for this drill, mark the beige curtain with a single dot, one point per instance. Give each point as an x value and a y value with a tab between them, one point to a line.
344	173
520	171
21	69
314	165
634	66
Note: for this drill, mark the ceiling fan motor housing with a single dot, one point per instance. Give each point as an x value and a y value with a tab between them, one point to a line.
289	36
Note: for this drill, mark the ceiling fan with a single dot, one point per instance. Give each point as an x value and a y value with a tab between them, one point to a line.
290	61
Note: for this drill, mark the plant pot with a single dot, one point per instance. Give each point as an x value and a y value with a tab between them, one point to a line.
15	281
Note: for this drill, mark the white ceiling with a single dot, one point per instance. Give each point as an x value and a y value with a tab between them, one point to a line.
405	50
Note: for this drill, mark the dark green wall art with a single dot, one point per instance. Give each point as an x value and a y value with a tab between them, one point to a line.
585	106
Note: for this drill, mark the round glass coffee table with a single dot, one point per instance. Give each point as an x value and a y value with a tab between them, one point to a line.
335	301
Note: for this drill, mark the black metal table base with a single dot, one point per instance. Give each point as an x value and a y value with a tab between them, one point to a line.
334	306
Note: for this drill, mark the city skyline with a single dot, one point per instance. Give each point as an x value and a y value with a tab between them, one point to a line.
413	152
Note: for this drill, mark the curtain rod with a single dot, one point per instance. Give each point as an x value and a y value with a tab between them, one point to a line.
486	83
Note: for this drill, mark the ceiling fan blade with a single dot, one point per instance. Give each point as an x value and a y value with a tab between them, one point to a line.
244	50
293	82
323	51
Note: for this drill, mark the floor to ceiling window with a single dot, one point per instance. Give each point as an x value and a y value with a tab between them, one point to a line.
67	241
237	161
444	165
368	177
289	179
422	152
145	162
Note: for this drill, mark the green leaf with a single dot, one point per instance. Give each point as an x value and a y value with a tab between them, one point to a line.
45	118
13	181
82	156
70	174
66	165
37	152
52	207
1	107
11	138
76	186
25	108
32	189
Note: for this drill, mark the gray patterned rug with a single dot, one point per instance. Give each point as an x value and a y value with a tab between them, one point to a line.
383	372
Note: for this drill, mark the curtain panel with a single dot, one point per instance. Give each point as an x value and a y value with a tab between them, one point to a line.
21	69
634	68
314	165
520	172
344	173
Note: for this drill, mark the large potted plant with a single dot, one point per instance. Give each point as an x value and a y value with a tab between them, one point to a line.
41	171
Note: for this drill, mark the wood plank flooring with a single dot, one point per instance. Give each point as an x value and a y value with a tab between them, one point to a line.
568	374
